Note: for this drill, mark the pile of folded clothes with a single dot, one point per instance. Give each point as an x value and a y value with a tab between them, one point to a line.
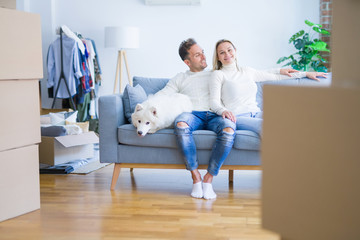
63	168
61	124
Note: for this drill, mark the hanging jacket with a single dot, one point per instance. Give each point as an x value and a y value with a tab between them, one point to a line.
71	66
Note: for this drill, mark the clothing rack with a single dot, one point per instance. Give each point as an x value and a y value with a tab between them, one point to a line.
62	76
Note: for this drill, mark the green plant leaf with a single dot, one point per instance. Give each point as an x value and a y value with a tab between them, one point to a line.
306	54
324	31
321	30
296	35
319	46
281	60
321	58
310	55
318	66
304	61
307	40
296	66
299	44
309	23
308	47
316	29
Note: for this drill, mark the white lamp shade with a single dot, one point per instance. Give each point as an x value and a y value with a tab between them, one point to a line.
121	37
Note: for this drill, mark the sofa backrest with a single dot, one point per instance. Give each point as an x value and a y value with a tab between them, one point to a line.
153	85
150	85
324	82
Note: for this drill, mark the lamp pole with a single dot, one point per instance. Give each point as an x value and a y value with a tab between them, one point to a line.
121	38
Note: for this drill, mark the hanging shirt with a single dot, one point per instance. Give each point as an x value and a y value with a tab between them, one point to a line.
90	63
86	79
72	35
71	66
97	65
91	58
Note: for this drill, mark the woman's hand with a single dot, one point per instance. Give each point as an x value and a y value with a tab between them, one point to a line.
229	115
287	71
314	75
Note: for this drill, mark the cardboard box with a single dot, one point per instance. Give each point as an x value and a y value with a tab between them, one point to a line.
20	114
19	181
58	150
20	45
10	4
310	160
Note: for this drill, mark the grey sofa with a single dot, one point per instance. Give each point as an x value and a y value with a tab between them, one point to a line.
120	144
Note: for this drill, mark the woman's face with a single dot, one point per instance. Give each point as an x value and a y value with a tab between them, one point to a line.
226	53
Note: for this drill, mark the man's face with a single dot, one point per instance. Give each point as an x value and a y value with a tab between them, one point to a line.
196	59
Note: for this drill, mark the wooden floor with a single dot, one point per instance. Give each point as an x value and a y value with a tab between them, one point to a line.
146	204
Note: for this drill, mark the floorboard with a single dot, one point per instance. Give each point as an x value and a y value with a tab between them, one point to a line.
146	204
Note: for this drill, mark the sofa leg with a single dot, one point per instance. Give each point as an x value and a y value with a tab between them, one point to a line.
231	176
116	172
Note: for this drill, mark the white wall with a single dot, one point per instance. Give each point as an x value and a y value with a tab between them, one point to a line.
260	30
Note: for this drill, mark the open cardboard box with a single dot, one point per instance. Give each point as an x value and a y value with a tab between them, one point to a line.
62	149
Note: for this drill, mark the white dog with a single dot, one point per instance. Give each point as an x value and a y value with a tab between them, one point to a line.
159	111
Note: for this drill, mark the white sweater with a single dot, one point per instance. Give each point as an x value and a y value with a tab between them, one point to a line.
193	84
235	90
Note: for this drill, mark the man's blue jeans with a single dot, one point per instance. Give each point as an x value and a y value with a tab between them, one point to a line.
250	121
204	120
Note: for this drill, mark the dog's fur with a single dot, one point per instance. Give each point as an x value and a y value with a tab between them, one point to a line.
159	111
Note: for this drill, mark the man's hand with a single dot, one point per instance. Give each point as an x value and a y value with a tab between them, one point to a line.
287	71
229	115
314	75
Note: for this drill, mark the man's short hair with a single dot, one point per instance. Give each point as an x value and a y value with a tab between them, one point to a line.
184	48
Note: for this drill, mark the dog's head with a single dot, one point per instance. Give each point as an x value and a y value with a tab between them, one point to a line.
144	119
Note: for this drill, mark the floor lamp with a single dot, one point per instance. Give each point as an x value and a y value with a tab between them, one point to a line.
121	38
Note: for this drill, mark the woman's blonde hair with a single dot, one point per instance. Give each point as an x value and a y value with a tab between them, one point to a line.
217	65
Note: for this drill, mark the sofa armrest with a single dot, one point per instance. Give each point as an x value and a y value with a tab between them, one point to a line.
111	116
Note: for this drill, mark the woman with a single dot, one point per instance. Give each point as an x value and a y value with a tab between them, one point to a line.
233	89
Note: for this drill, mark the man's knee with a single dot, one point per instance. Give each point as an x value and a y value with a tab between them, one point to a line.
182	125
228	130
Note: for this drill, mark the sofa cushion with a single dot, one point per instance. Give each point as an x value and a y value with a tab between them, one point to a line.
247	140
150	85
131	97
165	138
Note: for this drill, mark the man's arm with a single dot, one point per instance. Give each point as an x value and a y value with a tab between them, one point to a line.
172	86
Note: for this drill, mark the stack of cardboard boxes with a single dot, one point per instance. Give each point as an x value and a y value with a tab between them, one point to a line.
21	69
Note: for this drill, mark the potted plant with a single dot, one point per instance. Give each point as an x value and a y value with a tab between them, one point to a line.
307	57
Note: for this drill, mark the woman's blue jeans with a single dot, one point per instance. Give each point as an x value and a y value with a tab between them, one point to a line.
250	121
204	120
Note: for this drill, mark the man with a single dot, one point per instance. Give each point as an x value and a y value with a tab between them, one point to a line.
195	84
